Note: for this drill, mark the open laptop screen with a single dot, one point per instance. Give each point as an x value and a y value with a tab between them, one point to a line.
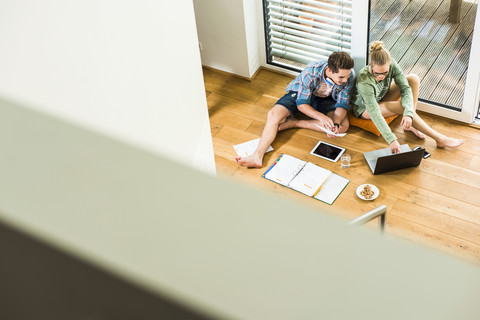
382	160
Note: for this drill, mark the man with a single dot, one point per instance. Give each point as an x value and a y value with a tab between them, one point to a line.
322	92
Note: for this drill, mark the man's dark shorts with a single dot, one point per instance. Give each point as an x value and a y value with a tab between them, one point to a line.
323	105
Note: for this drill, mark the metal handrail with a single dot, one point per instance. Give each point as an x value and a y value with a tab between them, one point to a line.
370	215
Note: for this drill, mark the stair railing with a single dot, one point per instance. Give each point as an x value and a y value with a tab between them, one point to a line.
379	212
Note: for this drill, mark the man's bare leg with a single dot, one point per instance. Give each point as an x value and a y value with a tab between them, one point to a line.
275	115
292	122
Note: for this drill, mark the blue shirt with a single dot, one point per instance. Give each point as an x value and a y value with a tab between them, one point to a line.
311	78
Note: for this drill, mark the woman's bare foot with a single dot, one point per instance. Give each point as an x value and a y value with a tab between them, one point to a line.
416	132
290	122
249	162
449	142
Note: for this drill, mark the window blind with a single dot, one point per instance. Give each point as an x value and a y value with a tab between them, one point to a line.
300	31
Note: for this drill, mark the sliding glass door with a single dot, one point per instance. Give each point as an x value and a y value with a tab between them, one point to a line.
433	39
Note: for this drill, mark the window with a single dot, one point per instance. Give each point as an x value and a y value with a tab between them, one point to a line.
300	31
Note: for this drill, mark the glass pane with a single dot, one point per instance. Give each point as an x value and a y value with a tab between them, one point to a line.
431	38
301	31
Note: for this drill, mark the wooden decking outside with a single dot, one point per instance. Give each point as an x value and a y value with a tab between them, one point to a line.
435	205
423	41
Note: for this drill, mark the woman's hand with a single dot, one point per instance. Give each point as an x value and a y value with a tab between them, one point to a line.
395	147
406	122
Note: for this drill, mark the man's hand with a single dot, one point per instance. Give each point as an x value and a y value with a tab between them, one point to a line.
326	122
335	129
395	147
406	122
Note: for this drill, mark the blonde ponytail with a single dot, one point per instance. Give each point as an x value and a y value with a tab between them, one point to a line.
378	54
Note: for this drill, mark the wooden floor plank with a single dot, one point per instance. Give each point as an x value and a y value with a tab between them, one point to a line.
452	127
226	138
274	77
429	217
228	118
475	164
215	128
427	199
218	102
258	85
452	172
218	82
225	166
429	237
268	101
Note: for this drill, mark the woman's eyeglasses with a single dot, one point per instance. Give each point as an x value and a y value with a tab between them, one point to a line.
378	74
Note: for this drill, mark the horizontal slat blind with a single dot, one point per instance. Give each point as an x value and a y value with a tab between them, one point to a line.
301	31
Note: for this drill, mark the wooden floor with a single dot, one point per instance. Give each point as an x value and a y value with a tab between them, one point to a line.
436	205
423	41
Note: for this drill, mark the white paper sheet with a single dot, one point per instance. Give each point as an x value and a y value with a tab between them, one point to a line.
332	188
285	169
248	148
331	132
309	180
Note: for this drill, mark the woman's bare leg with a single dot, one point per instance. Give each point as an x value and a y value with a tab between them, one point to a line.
389	108
394	94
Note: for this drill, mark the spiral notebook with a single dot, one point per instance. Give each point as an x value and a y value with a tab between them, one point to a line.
307	178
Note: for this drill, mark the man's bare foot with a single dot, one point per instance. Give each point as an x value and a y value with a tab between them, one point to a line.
416	132
249	162
290	122
449	142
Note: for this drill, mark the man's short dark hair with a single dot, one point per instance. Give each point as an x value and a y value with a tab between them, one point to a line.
340	60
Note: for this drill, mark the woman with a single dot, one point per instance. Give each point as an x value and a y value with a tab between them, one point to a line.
383	91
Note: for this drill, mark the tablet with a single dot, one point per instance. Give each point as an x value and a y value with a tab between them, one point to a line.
327	151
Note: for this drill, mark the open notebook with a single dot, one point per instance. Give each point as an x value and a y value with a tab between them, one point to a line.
307	178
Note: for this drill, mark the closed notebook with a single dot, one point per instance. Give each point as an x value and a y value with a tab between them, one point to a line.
307	178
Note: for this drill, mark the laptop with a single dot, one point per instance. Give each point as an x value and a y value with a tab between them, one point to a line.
383	160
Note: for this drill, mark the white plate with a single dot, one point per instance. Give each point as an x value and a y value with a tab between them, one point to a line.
375	190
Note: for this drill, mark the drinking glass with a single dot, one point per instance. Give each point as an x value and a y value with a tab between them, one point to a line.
345	160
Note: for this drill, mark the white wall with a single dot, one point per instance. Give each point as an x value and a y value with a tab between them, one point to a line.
128	69
228	32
